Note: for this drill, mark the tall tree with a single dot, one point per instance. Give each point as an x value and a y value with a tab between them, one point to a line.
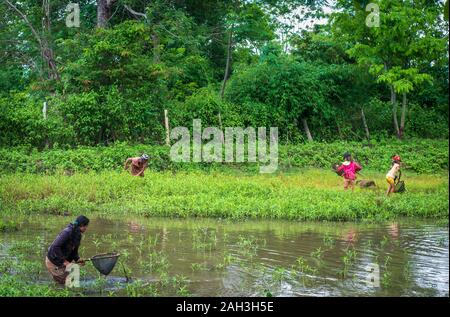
410	35
42	36
104	12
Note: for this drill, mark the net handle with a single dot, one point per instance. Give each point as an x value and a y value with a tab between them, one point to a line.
112	254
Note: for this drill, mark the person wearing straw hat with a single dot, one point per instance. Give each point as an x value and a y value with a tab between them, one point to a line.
64	250
138	165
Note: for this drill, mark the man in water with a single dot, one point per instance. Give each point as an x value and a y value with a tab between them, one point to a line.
64	250
138	165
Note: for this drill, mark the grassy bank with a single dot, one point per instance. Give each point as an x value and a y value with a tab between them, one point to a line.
419	156
309	194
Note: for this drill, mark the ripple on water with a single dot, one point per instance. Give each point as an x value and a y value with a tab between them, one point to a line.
280	258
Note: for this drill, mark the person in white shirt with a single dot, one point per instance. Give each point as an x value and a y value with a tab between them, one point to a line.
392	174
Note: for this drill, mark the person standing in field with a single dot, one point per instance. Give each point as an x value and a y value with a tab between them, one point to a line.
393	173
348	170
138	165
64	250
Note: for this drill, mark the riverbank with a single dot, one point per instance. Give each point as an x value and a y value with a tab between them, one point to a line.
307	194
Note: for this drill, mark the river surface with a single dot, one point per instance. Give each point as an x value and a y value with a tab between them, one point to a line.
260	258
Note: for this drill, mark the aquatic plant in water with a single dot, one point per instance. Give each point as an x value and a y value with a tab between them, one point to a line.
328	241
407	274
317	253
247	246
303	267
386	276
198	267
348	259
8	226
156	262
278	274
384	241
204	239
227	259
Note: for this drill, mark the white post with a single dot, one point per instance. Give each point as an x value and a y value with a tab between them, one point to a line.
166	123
44	110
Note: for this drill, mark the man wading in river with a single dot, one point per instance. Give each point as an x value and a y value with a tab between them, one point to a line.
138	164
64	250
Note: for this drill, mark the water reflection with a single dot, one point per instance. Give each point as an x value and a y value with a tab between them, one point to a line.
254	258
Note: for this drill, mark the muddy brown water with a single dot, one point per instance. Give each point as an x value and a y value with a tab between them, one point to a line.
257	258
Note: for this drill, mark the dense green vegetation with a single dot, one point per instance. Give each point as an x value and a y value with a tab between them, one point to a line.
92	180
419	156
229	63
341	85
75	102
308	195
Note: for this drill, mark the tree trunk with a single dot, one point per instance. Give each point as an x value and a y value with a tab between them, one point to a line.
366	128
227	68
220	121
156	52
103	12
306	128
49	57
403	116
394	110
100	136
228	64
47	50
44	47
221	127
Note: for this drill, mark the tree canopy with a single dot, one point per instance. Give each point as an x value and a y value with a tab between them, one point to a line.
246	63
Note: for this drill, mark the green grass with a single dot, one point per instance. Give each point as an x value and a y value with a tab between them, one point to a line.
310	194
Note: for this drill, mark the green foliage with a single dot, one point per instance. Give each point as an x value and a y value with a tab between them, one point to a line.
429	123
115	82
303	91
205	104
419	156
398	52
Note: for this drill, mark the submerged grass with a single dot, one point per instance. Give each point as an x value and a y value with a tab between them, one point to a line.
151	267
306	195
8	226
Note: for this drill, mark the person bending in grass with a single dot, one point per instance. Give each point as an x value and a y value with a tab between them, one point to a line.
64	250
138	165
348	170
393	173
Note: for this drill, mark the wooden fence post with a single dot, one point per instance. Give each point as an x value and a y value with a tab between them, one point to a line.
166	123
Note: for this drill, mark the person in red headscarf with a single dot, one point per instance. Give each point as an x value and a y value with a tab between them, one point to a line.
393	173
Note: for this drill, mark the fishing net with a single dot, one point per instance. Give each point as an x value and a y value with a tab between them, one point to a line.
104	263
400	187
335	167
